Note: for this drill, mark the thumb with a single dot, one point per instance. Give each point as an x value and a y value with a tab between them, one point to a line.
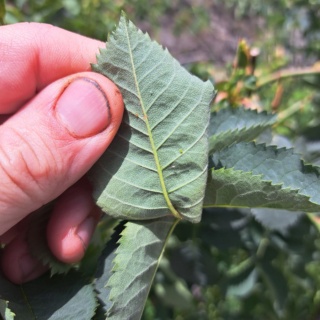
53	141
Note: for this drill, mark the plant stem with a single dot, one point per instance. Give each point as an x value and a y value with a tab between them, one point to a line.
295	107
264	243
288	73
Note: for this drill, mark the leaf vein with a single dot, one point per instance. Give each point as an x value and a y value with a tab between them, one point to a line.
191	110
129	183
156	158
132	204
127	159
178	102
185	151
189	181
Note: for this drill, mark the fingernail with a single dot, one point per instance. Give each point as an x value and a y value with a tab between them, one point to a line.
85	230
83	108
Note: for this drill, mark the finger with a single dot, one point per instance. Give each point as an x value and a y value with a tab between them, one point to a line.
17	264
34	55
72	223
53	141
17	230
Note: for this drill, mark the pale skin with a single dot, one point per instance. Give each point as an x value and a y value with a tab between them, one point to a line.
56	119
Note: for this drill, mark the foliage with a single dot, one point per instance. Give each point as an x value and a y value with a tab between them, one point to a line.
2	11
237	262
83	16
300	16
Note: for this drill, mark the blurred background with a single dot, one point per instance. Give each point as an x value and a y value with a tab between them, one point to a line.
263	55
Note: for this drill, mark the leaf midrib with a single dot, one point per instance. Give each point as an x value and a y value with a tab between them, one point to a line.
25	298
153	147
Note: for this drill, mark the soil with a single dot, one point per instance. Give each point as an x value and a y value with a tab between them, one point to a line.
216	43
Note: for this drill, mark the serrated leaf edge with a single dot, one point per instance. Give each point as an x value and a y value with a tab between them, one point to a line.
276	149
263	125
119	248
265	181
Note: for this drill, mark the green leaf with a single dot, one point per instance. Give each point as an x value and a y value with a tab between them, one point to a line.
138	255
2	11
60	297
37	241
193	264
278	220
157	164
234	188
277	284
170	289
104	271
221	228
174	295
242	279
249	175
232	125
5	312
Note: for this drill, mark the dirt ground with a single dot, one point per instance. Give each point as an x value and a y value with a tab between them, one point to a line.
216	43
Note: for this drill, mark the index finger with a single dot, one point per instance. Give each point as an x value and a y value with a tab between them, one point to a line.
32	55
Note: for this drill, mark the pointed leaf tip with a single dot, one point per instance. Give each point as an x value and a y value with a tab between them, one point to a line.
157	163
260	176
135	259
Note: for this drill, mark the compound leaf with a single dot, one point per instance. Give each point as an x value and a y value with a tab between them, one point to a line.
125	288
231	125
157	164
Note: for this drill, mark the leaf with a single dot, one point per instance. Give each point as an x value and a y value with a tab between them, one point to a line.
232	125
278	220
37	241
5	312
138	255
171	290
157	164
193	264
242	279
277	285
232	188
60	297
174	295
221	228
249	175
104	271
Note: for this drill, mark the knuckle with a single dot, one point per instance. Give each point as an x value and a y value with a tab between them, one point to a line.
26	165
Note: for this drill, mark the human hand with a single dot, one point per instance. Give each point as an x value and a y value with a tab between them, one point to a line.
56	120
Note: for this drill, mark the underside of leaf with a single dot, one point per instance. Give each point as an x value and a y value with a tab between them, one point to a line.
104	272
136	260
157	164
